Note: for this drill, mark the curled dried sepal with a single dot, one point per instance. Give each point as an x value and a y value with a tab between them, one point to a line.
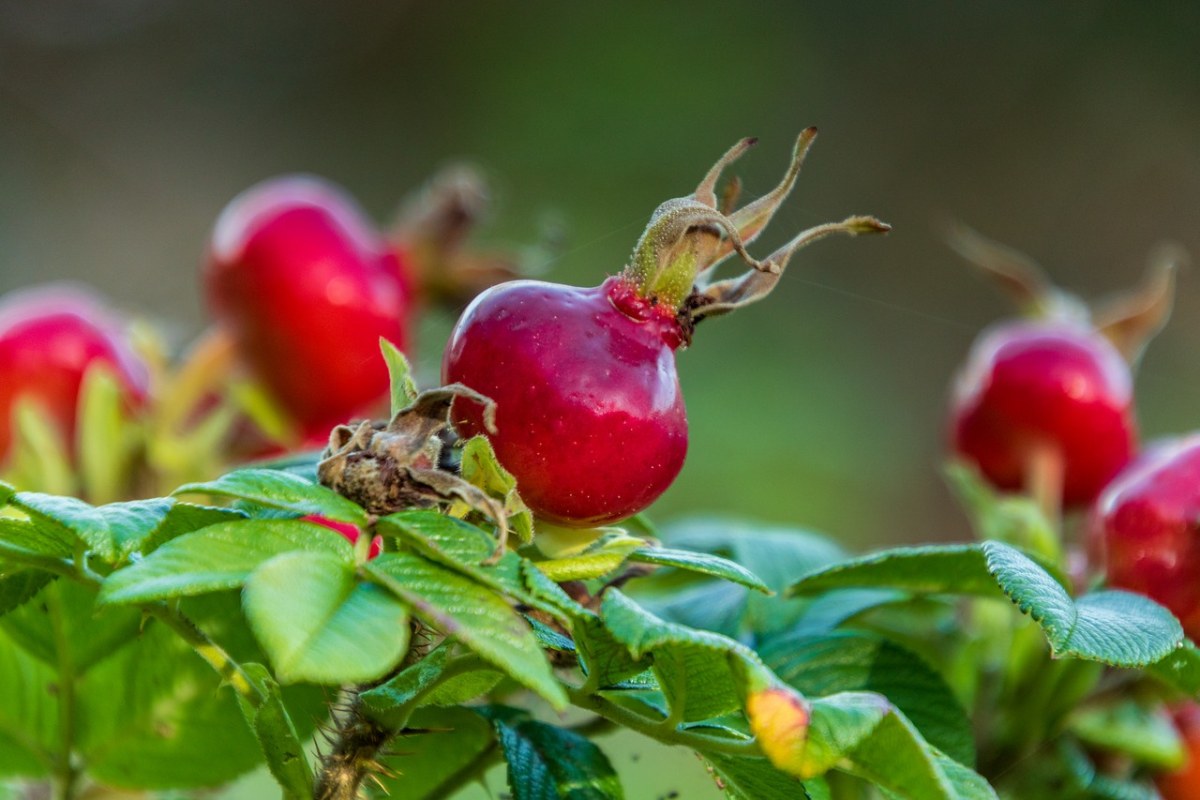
1015	274
1130	320
688	237
390	467
433	226
727	295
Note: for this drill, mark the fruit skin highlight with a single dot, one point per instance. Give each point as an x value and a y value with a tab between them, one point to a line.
590	414
1144	523
307	286
1031	386
49	338
590	417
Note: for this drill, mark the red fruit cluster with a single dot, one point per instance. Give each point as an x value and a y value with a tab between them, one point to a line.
307	286
1029	388
49	339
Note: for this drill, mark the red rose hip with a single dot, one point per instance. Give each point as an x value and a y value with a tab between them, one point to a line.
1145	525
590	418
1031	388
307	286
49	338
590	415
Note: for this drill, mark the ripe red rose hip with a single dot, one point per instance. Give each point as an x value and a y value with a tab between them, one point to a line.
1029	388
590	418
307	286
1145	525
49	338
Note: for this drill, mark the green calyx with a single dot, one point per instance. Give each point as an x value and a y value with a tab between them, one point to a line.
688	237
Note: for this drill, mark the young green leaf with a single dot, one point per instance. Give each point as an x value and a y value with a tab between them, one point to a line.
549	763
318	624
403	387
1112	627
440	678
702	563
471	613
481	468
281	490
277	736
570	554
221	556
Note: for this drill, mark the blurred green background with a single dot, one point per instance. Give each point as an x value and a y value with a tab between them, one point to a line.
1071	131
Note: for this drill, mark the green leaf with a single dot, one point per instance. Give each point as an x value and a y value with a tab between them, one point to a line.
447	540
446	743
756	779
221	556
818	666
864	735
570	554
437	679
18	586
187	518
1112	627
1180	668
693	667
703	563
549	763
481	468
403	387
281	490
775	554
1148	736
318	624
277	736
29	713
471	613
63	623
155	716
112	531
22	540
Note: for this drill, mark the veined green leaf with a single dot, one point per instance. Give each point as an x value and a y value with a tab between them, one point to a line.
481	468
111	532
403	387
281	490
1112	627
221	556
703	563
757	778
473	614
549	763
318	624
277	736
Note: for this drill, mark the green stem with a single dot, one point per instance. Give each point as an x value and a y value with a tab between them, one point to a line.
66	773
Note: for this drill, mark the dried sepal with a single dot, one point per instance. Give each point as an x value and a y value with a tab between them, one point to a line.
387	468
1131	319
731	294
688	238
1015	274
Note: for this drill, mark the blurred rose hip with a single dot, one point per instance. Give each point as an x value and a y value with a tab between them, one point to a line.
49	338
1036	388
307	286
1145	523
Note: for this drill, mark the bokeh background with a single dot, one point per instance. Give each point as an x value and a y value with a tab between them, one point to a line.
1071	131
